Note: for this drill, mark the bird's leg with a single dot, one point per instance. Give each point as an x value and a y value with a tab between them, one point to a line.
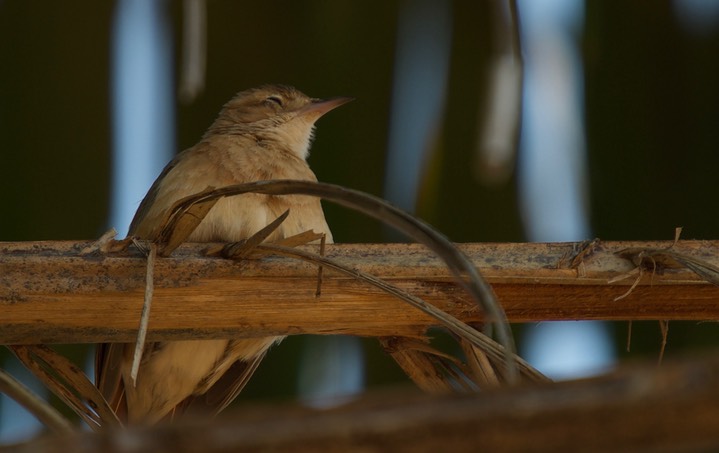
318	292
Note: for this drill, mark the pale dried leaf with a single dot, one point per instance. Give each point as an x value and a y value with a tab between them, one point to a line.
181	221
303	238
243	248
664	327
101	244
145	315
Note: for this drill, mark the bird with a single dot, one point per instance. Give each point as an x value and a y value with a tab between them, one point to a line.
260	134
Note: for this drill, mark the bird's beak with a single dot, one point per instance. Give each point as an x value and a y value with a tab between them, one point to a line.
319	107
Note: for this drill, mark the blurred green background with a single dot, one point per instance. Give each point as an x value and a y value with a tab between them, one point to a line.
651	102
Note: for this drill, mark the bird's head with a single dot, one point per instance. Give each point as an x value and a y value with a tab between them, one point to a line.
276	115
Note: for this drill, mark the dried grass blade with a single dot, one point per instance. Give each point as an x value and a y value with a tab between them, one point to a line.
182	221
320	269
303	238
101	244
493	349
664	328
483	373
705	270
69	383
243	248
669	257
38	407
145	315
417	365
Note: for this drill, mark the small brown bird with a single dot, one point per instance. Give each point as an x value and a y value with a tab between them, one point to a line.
262	133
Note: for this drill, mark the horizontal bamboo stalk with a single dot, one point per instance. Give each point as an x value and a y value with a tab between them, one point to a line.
68	292
671	408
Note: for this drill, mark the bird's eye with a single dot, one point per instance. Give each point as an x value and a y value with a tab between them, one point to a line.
274	99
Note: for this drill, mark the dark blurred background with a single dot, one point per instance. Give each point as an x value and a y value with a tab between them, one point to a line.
643	154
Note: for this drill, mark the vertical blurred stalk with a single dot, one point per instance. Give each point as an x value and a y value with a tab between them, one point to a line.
552	168
498	131
331	370
194	46
699	17
552	172
424	38
332	367
142	102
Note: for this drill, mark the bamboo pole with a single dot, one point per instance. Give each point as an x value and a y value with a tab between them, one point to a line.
70	292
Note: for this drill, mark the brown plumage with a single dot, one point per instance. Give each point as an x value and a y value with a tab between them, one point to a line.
262	133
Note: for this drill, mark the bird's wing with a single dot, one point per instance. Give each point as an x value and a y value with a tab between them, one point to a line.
225	390
108	377
149	200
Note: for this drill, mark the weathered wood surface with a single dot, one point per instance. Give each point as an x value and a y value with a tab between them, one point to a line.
54	292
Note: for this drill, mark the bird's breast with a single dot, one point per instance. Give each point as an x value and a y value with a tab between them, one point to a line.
238	217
